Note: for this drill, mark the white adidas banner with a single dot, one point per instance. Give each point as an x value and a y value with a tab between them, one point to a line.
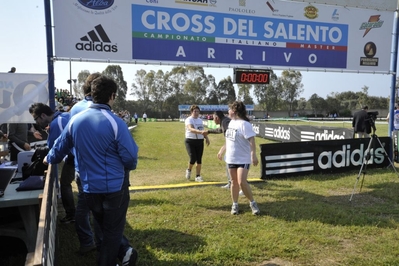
234	33
18	93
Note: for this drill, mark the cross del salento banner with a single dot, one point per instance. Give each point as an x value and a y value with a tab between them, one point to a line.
235	33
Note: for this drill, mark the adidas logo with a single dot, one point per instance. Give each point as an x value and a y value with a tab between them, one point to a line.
96	40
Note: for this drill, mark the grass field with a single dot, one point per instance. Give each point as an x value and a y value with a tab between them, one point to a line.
306	220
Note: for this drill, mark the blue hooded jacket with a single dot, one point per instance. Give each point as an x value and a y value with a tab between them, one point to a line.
104	149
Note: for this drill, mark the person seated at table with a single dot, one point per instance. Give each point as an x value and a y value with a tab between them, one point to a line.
18	139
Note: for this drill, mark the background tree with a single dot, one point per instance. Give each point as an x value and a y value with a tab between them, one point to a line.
141	90
158	90
225	91
317	104
196	84
269	95
115	72
82	76
244	93
292	87
333	105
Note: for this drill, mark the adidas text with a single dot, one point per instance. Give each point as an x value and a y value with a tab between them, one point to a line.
346	157
99	47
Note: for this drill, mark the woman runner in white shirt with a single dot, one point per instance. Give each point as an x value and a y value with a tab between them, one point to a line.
240	154
195	142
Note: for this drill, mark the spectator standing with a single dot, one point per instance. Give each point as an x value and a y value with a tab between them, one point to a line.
195	142
82	217
136	118
56	121
240	153
104	164
145	117
361	124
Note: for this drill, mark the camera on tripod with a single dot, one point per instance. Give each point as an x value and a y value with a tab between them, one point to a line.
371	117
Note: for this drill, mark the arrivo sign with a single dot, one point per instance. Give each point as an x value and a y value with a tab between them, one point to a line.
251	76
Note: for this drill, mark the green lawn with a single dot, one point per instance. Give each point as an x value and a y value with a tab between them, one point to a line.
305	220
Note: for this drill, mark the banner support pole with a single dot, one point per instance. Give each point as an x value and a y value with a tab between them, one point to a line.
50	55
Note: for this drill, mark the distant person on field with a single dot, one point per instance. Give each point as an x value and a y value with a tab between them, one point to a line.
240	153
195	142
360	123
395	108
13	69
136	118
145	117
105	160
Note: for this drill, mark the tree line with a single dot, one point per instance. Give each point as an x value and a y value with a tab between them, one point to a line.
159	93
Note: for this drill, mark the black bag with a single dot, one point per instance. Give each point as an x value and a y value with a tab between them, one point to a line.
37	167
32	183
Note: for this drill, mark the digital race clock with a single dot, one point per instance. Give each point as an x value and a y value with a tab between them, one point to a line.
251	76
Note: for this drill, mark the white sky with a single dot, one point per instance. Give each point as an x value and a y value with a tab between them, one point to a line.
23	45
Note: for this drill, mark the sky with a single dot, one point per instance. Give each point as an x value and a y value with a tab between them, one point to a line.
23	45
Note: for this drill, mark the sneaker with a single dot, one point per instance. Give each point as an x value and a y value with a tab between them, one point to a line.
226	186
188	174
85	250
234	209
254	207
199	179
241	193
68	219
130	257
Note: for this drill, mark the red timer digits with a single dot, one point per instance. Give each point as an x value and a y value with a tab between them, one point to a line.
255	78
251	76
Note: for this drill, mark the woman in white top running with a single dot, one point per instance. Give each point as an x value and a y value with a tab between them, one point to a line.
240	154
195	142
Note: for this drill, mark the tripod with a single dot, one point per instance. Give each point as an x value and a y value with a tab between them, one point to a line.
366	158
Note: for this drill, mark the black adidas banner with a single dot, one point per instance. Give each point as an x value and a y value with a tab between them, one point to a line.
292	133
301	158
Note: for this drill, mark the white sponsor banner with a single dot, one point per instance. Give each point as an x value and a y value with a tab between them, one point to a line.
18	92
235	33
390	5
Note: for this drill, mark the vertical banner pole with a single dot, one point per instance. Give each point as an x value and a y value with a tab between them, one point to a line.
50	62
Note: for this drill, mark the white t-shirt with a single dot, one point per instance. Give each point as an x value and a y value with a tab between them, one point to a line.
197	123
238	149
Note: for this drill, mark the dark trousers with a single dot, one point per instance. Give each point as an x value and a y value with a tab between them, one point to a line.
82	220
67	176
109	210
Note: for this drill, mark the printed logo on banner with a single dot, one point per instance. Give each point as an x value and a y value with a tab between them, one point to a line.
335	15
96	40
373	23
198	2
271	7
152	1
279	133
325	135
370	50
97	5
311	12
290	163
242	10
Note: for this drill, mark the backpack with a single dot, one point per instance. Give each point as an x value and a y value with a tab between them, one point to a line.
37	167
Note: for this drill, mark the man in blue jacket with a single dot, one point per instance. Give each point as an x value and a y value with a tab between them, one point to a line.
105	151
82	224
45	117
